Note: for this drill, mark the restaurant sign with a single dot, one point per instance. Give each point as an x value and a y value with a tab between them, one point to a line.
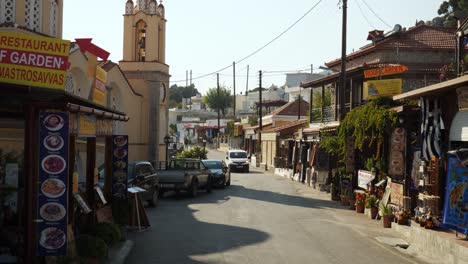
33	60
99	90
52	199
389	70
378	88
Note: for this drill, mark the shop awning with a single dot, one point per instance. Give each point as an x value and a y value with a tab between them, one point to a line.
459	129
15	96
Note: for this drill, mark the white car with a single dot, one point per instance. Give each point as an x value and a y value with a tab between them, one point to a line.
237	160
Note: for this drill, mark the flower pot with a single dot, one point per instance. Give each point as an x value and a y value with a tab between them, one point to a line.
373	212
387	221
360	208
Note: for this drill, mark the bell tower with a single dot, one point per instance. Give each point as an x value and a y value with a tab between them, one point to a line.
144	65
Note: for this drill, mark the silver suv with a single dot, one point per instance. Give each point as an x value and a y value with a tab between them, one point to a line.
237	160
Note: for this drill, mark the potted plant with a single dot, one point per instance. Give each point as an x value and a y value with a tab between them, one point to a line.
360	202
387	214
372	204
91	249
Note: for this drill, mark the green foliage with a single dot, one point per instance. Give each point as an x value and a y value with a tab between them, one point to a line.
230	128
91	246
372	201
253	120
193	153
453	9
318	103
173	128
369	164
177	93
386	210
368	125
223	100
331	144
108	232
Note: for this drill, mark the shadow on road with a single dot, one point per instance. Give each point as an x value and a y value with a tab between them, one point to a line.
176	235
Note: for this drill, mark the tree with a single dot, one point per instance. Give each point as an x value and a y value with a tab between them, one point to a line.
452	10
317	103
178	93
223	100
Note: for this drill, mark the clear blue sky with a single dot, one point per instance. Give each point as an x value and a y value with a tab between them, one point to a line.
206	35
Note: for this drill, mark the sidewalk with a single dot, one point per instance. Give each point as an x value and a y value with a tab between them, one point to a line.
431	246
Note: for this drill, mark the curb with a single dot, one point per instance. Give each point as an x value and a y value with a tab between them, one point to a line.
119	253
433	246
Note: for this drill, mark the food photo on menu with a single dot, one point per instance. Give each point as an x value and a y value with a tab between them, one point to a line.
53	142
52	212
53	188
52	238
53	164
53	122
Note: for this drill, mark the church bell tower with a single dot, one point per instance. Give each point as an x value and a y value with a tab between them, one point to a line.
144	65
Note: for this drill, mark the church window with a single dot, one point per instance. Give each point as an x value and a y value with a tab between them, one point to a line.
33	14
53	23
7	11
152	7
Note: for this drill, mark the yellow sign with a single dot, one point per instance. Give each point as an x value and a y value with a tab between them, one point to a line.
389	70
99	89
87	125
32	60
377	88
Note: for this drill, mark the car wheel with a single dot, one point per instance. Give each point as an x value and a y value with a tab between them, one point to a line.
223	184
153	202
194	189
209	185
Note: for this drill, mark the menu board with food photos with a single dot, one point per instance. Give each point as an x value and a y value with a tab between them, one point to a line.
119	166
52	188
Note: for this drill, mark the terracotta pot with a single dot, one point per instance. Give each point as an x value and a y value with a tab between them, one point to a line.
360	208
373	212
387	221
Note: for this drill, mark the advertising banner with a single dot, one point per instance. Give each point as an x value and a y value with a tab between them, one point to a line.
456	196
99	89
33	60
396	166
119	166
52	200
377	88
87	125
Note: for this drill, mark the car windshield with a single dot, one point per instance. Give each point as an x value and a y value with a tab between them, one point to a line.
238	155
213	164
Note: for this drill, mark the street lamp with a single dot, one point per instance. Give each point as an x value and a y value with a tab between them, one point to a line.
167	140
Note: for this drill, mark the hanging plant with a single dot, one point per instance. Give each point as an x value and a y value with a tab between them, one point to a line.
367	124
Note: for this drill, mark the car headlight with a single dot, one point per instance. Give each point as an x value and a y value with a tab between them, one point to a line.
245	163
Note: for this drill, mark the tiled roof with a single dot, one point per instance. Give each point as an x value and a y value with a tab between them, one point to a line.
291	108
285	126
422	37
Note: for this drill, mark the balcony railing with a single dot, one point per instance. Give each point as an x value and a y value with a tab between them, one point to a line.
329	113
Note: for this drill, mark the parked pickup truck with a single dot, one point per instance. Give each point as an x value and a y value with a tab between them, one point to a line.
185	175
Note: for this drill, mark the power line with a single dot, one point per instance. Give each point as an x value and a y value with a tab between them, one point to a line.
258	50
376	14
364	15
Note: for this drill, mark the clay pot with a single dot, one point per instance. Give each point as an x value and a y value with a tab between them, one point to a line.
373	212
360	208
387	221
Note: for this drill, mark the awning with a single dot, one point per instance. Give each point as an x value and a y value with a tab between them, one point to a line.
434	89
459	128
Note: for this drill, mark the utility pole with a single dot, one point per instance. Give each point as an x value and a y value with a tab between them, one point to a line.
343	63
217	83
186	85
260	123
247	84
190	89
234	85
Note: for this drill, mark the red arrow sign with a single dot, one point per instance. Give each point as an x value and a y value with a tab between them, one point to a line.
86	46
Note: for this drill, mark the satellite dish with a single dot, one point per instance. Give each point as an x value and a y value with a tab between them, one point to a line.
397	28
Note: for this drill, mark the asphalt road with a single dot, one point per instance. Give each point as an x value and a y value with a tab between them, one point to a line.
260	218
